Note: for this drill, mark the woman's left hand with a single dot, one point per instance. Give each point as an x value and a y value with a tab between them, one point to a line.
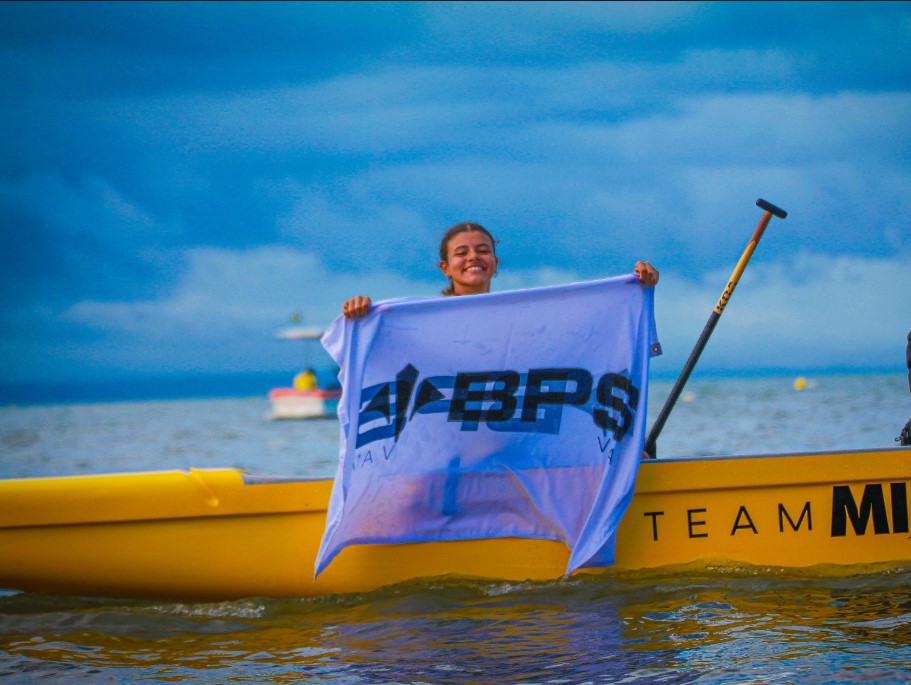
648	275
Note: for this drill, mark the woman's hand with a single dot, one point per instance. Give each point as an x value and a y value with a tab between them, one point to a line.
648	275
356	307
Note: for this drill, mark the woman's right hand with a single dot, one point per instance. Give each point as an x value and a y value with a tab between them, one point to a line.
356	307
647	274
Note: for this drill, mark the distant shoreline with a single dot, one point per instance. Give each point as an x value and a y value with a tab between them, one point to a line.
142	388
240	385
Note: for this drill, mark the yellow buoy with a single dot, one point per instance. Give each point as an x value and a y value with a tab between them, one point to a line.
305	380
800	383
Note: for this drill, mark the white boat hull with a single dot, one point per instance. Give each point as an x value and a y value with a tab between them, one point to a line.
288	403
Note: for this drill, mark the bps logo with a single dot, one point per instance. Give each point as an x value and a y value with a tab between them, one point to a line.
503	400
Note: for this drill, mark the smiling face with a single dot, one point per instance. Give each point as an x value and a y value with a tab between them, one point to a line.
470	262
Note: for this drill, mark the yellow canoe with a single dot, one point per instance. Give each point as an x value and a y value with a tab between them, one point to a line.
223	533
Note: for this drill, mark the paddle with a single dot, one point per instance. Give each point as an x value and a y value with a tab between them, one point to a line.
770	210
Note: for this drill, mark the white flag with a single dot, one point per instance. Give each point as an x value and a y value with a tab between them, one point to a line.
513	414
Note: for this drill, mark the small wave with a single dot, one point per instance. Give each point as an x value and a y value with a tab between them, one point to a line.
245	608
889	623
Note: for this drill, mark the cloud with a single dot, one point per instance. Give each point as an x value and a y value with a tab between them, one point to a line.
94	48
223	311
458	22
177	181
358	226
581	147
813	312
677	188
221	316
67	236
232	292
75	209
405	108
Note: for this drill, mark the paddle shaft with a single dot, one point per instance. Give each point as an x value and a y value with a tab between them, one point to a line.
770	210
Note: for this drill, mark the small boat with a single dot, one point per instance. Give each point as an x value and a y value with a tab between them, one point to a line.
315	403
223	533
304	400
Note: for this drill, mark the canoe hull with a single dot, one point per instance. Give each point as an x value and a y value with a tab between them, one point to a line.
222	534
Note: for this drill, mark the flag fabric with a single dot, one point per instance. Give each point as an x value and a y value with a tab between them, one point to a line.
513	414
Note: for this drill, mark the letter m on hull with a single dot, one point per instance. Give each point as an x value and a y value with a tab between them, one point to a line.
872	505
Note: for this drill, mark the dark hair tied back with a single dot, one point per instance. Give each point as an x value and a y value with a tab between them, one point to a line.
463	227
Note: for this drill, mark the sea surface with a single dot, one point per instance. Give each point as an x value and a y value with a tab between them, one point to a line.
709	625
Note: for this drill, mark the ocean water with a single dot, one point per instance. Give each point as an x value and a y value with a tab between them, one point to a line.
711	625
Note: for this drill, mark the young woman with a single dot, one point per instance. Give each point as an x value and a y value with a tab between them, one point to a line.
468	259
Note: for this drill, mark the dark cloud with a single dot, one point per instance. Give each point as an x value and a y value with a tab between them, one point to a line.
145	139
831	44
104	48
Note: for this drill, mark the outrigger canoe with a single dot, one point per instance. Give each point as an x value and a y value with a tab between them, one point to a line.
224	533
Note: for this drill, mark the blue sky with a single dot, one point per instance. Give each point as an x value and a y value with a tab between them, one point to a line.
177	179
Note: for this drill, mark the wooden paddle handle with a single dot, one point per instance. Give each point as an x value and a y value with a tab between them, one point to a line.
770	210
